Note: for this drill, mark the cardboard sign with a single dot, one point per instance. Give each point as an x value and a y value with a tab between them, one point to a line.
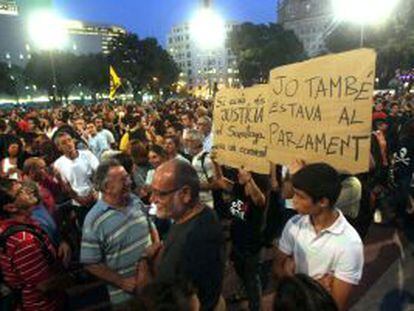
318	110
241	127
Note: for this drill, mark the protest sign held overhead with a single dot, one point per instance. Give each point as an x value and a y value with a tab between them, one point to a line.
320	110
241	127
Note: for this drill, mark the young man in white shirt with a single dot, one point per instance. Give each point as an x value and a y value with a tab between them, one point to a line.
76	169
319	241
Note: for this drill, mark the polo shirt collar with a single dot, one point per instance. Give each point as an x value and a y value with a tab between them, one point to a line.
337	227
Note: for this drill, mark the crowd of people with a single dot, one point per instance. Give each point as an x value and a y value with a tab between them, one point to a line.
134	196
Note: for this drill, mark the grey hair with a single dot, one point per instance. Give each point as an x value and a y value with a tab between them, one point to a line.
206	119
186	175
101	175
193	134
59	135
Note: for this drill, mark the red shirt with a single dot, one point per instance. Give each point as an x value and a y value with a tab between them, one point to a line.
24	266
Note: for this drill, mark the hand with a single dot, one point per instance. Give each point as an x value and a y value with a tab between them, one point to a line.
64	253
326	281
244	176
154	250
128	284
296	166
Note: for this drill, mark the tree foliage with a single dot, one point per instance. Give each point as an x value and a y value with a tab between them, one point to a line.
143	63
71	70
260	48
393	40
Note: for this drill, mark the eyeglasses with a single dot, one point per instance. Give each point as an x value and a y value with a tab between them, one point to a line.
161	193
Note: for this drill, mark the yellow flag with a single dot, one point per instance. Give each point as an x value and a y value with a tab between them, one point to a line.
114	83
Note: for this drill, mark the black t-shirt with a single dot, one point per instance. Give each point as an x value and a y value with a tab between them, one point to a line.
403	159
247	224
195	251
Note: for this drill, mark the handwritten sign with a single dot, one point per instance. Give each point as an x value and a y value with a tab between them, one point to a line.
241	127
320	111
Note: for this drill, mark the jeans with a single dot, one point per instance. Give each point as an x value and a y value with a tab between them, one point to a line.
247	268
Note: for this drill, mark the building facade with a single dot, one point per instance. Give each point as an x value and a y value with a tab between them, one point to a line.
14	46
311	20
202	68
91	38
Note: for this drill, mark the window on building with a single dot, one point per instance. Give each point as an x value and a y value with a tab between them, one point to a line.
189	63
188	54
189	72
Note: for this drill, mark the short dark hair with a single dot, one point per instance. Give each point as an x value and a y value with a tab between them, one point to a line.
175	140
318	180
157	149
101	174
301	292
186	175
174	295
59	135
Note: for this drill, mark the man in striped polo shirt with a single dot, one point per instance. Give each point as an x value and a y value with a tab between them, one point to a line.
115	233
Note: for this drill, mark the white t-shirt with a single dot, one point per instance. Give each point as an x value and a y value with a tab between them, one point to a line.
337	250
78	172
206	196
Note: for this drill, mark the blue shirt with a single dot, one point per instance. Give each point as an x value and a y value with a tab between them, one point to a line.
116	238
98	144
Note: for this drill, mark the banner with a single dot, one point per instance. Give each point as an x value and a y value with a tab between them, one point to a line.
318	110
240	128
114	83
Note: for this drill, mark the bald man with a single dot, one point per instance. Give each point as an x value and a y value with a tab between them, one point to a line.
194	248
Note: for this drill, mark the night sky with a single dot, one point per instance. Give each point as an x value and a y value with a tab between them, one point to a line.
156	17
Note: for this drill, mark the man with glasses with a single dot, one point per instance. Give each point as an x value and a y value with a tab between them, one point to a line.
194	248
115	234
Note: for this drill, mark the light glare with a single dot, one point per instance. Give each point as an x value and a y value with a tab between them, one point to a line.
47	30
363	11
208	29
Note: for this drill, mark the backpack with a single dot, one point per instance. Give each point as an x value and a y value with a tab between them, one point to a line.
14	298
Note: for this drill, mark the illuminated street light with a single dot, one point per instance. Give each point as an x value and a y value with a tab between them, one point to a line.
208	29
363	12
47	30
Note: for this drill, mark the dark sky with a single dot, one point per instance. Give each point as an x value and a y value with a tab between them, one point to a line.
156	17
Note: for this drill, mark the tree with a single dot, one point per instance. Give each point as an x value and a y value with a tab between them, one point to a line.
393	41
260	48
71	70
143	63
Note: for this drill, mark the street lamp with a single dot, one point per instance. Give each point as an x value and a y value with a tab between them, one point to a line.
363	12
48	32
208	31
